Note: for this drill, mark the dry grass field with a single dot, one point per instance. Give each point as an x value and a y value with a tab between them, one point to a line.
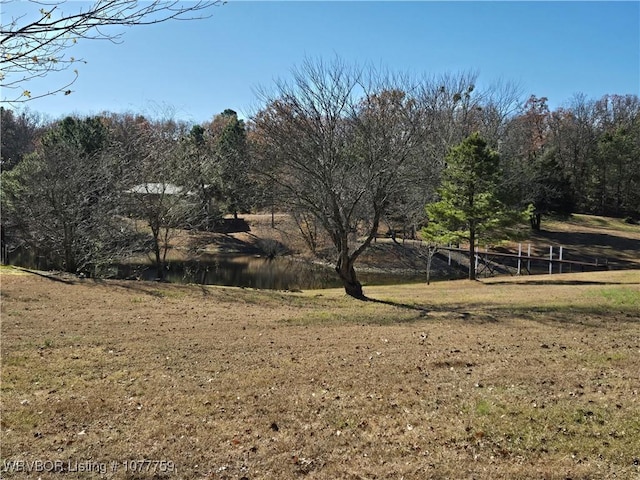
517	378
591	236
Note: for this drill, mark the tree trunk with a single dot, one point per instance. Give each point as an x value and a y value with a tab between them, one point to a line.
69	256
472	253
347	274
535	220
431	252
159	263
158	254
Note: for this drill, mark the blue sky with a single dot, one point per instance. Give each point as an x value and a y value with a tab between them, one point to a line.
197	69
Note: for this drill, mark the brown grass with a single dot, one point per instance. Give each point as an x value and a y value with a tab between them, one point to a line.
519	378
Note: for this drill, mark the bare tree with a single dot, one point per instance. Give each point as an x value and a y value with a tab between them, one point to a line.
157	196
341	141
199	173
453	107
35	43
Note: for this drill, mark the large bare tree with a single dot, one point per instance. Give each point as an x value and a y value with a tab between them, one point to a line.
341	142
34	42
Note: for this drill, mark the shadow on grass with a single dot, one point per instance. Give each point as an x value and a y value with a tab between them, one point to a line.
423	311
617	240
47	276
144	287
600	316
451	311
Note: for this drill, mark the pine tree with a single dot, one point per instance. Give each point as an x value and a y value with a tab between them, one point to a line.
469	207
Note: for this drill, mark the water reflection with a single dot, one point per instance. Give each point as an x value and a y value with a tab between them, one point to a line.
257	272
247	271
280	273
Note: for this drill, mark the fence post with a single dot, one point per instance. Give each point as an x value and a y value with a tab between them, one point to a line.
519	257
475	253
550	259
486	257
449	254
529	259
560	258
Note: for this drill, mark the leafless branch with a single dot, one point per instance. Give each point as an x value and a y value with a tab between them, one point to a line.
32	48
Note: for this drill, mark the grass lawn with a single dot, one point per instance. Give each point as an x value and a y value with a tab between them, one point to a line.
516	378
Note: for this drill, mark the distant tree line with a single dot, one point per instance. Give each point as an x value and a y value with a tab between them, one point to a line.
583	157
344	149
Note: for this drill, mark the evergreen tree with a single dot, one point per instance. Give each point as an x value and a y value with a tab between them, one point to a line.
469	207
550	189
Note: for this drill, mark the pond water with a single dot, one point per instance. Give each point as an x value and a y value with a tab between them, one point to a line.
280	273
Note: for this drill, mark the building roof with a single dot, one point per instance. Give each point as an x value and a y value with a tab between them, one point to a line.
157	189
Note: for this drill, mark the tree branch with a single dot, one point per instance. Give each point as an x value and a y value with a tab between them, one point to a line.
37	48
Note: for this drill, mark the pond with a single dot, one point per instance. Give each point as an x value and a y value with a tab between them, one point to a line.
250	271
280	273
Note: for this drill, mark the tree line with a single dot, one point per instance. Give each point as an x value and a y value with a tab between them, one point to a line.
86	192
341	147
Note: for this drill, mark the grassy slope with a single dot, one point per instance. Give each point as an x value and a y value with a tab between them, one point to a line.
509	378
589	236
